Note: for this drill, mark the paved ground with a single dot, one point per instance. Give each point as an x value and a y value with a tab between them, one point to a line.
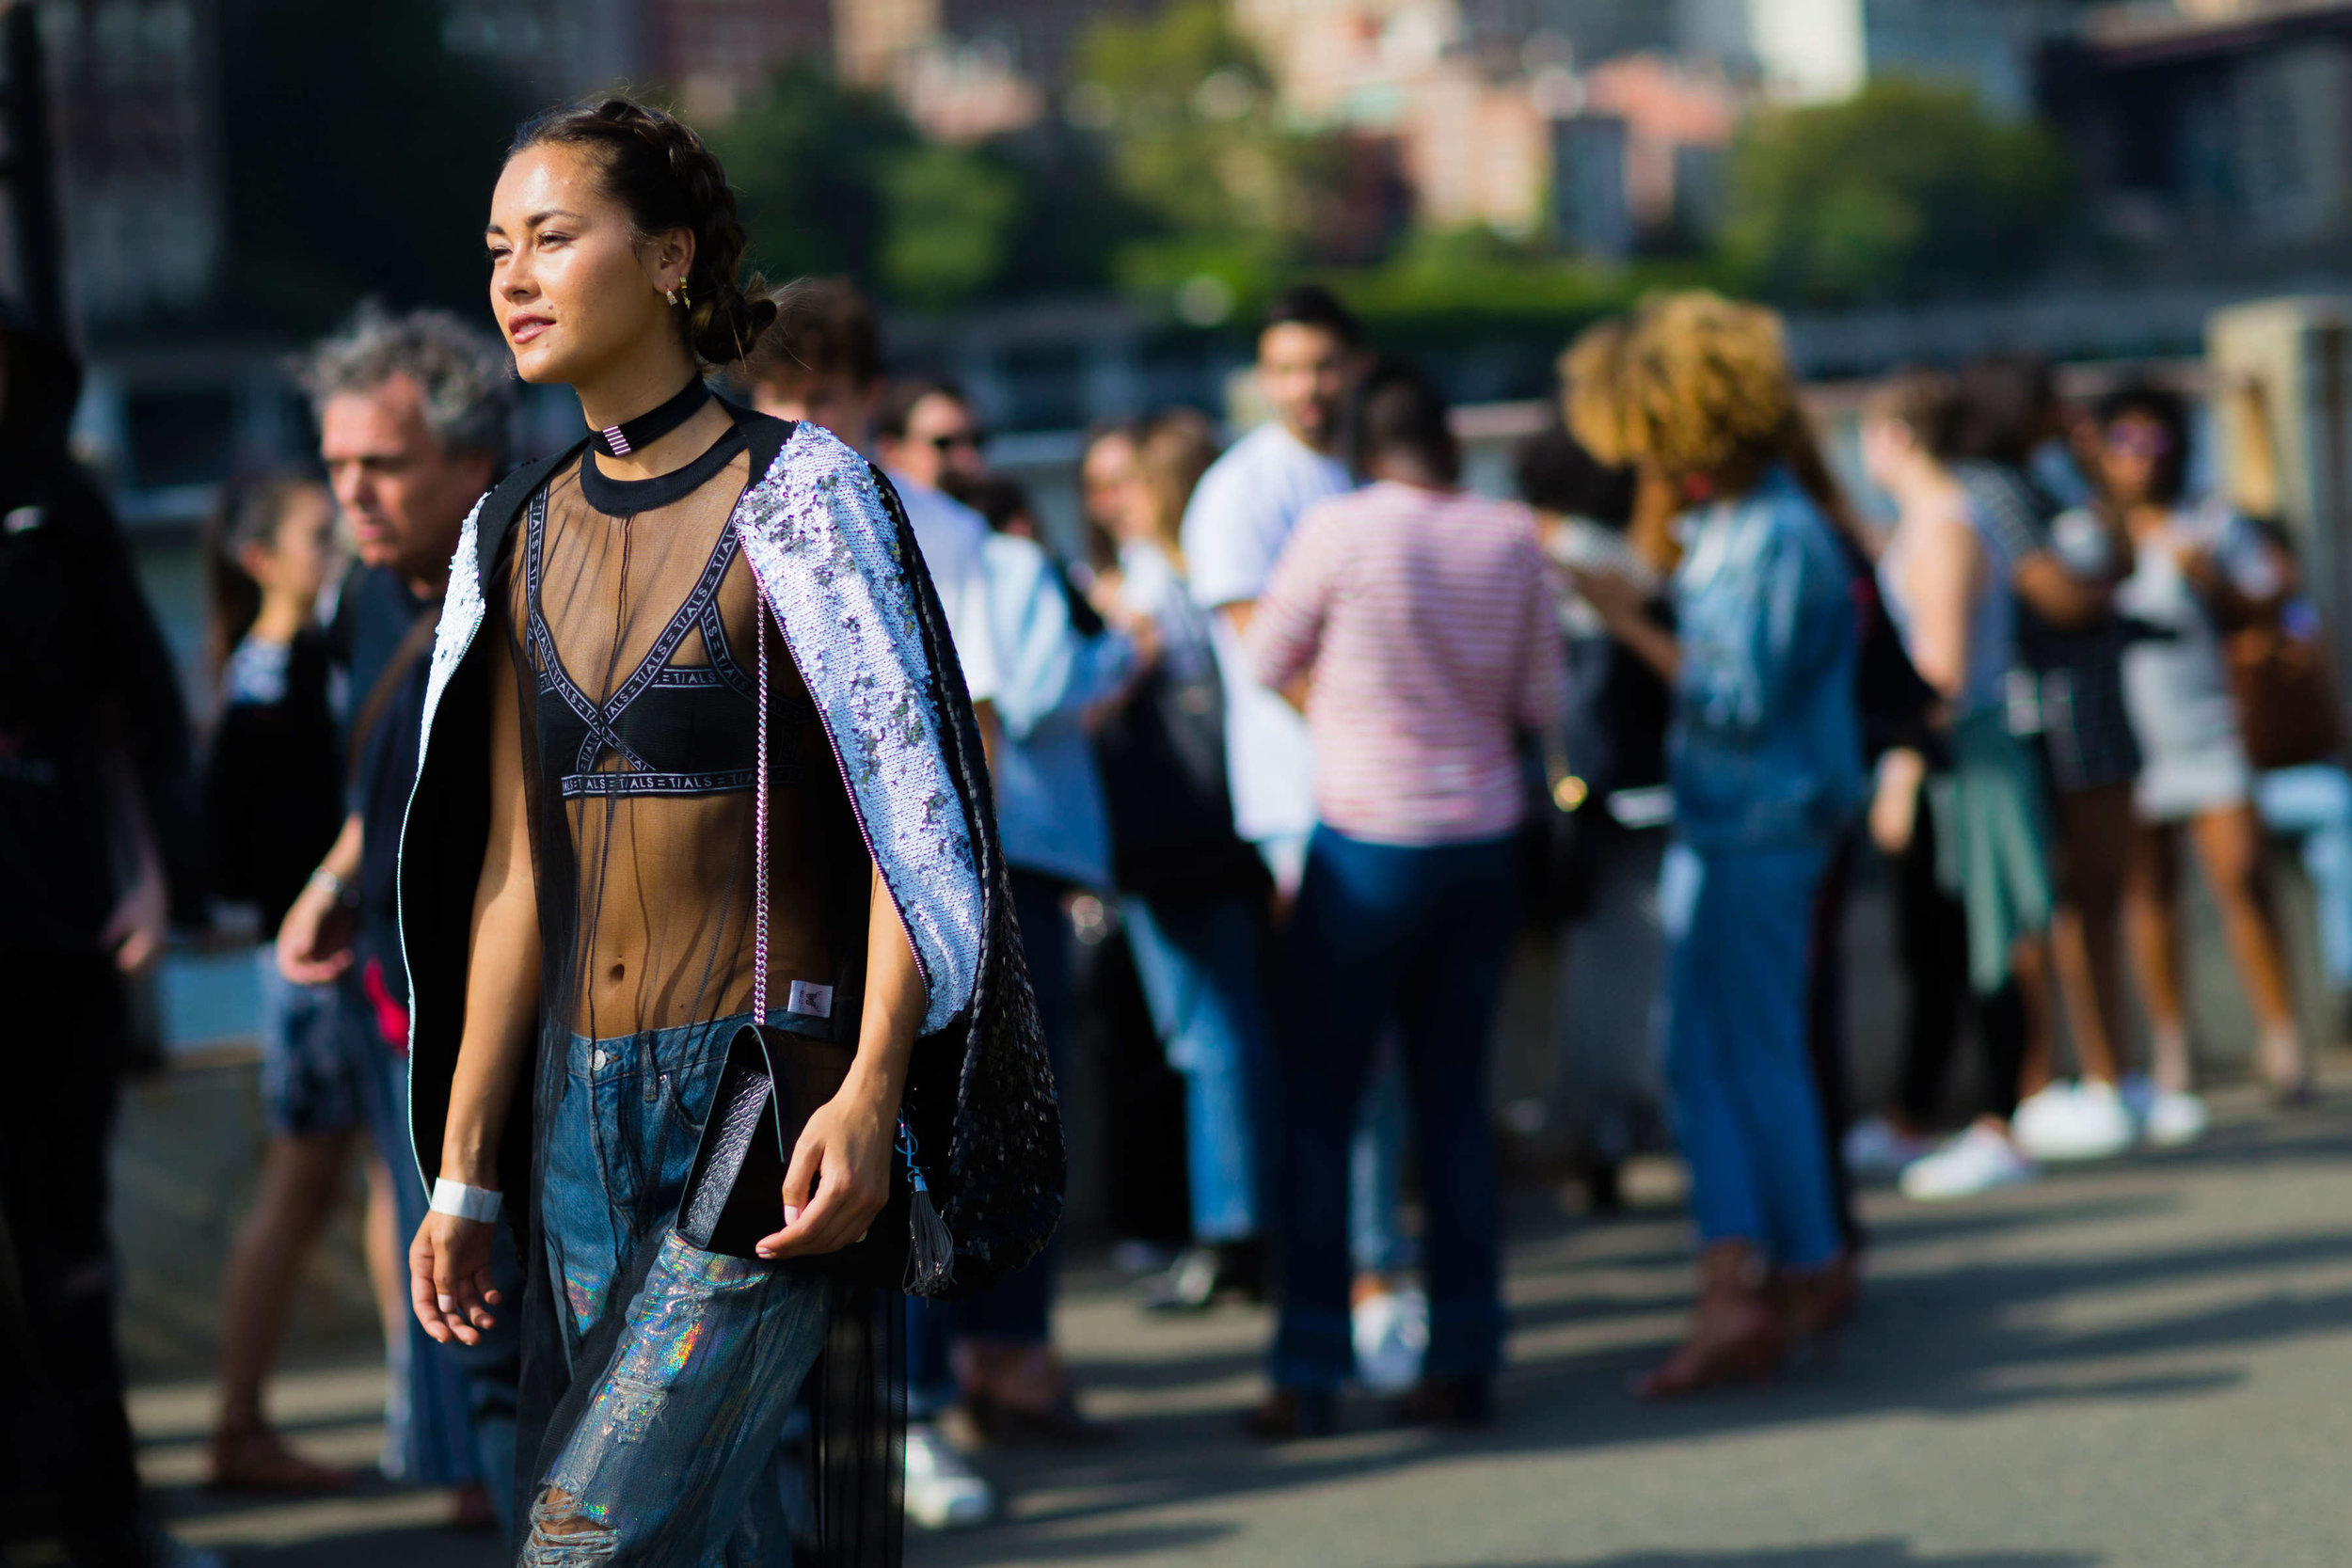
2146	1364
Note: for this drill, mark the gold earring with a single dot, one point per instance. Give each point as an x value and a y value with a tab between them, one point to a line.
671	295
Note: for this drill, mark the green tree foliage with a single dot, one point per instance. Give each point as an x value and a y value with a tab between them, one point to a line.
1197	143
835	182
949	216
808	162
1909	188
359	156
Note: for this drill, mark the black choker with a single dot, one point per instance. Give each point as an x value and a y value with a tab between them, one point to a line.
647	428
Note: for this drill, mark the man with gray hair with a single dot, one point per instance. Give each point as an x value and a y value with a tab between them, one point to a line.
413	412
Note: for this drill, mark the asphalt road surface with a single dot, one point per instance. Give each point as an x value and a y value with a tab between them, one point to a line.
2147	1363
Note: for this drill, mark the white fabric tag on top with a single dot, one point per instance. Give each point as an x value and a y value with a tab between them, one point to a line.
815	1001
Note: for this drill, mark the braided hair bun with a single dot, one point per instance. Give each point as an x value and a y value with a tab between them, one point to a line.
656	166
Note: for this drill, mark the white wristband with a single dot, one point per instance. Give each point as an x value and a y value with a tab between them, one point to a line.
466	1203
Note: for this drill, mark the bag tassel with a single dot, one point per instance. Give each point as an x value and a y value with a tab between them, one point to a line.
931	1250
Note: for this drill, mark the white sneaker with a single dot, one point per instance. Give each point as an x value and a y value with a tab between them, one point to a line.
942	1492
2168	1118
1391	1333
1979	1160
1877	1149
2085	1120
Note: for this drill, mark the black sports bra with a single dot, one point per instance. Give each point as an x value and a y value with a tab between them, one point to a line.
668	729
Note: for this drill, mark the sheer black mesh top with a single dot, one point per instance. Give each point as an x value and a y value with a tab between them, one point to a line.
631	619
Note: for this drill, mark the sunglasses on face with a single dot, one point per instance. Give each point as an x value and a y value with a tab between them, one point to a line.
943	445
2126	440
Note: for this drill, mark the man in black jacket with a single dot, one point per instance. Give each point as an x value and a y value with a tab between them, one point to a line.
96	805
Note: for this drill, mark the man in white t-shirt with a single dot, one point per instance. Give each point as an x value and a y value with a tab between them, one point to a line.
822	362
923	431
1241	514
1309	352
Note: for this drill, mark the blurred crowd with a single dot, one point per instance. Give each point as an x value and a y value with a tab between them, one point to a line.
1288	751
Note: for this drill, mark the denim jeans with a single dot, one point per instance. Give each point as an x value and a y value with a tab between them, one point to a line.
1737	1068
1198	962
1417	938
2314	804
428	1430
1375	1206
675	1457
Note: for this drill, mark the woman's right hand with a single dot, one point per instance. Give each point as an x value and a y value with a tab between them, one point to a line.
449	1277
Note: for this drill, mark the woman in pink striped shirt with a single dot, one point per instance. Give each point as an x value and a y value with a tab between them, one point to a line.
1412	621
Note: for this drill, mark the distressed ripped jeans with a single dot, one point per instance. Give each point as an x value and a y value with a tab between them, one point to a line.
674	1458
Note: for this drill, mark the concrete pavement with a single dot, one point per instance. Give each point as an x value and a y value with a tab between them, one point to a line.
2144	1364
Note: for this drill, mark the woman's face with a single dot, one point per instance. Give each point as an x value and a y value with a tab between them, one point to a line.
1109	464
2130	451
295	562
575	287
1887	449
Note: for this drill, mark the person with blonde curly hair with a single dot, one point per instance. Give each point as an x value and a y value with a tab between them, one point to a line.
1765	758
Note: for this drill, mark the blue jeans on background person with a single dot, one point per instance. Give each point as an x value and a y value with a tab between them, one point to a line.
1376	1242
1197	961
2314	804
1017	1309
1414	937
1736	925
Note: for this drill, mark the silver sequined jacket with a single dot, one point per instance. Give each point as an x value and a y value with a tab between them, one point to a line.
824	532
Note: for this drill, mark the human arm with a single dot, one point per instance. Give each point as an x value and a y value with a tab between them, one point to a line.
134	931
839	1177
1895	806
1284	627
449	1261
2239	574
1623	606
1941	581
314	940
2052	591
1543	695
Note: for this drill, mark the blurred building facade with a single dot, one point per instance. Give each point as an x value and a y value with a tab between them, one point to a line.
2215	131
136	140
1819	51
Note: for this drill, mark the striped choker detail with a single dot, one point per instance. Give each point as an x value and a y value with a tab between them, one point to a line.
620	439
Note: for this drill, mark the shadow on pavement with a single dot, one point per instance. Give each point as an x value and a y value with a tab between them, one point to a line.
1961	1338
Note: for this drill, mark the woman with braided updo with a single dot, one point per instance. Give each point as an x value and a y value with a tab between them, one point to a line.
713	977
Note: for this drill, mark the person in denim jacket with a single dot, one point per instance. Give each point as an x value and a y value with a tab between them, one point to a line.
1765	759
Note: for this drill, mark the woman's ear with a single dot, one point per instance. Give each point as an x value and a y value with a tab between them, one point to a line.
675	255
255	560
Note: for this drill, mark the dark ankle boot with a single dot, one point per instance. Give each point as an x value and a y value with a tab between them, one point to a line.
1460	1403
1736	1337
1290	1413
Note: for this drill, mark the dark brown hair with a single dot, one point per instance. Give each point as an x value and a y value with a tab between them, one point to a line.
653	164
1926	403
823	329
1402	412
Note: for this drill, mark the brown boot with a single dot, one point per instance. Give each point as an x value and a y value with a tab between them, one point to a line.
1735	1334
1814	1305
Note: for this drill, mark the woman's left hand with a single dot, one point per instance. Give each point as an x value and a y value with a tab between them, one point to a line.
840	1178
